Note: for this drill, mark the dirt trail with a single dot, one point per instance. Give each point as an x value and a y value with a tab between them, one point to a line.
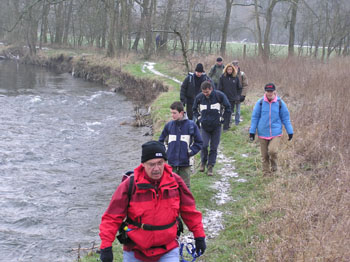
212	219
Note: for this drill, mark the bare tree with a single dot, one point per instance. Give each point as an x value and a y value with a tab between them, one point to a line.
293	20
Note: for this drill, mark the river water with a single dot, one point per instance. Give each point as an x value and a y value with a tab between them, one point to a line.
63	149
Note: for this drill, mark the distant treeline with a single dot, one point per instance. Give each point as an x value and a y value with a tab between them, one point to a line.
201	26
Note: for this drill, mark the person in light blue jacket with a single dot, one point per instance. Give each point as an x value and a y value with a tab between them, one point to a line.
269	114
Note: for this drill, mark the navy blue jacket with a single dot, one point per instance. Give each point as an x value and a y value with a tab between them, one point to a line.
184	141
208	110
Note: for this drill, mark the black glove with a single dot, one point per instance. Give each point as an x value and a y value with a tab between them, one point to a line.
251	137
106	254
290	136
242	99
200	245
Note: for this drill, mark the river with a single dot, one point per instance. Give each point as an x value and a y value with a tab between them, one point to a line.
64	147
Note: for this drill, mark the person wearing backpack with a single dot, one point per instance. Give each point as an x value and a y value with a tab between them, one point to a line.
183	139
270	113
229	84
150	215
216	71
207	109
191	87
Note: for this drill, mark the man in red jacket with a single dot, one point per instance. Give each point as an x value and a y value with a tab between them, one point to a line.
158	198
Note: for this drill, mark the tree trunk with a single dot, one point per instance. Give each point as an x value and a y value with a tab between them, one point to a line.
166	25
292	28
266	54
59	23
112	21
119	34
257	18
148	8
44	22
67	24
31	31
138	34
225	28
188	24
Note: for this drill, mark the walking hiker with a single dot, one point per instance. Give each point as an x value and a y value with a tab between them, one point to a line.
269	114
207	109
229	84
183	139
191	87
216	71
157	198
243	80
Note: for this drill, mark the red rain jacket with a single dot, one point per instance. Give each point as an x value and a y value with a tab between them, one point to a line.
154	207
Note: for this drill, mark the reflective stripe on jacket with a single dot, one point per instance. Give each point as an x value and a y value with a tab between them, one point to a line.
209	109
184	141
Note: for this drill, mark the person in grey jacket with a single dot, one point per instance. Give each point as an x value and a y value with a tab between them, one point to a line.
216	71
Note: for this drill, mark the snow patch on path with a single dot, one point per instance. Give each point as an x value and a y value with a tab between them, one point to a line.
150	67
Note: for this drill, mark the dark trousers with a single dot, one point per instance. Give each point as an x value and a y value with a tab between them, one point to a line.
189	110
213	138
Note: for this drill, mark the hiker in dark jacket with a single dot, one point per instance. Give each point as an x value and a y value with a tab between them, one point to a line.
207	109
216	71
183	139
191	87
229	84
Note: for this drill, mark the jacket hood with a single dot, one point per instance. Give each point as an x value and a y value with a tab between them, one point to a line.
234	72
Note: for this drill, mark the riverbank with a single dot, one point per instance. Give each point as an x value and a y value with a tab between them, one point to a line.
271	218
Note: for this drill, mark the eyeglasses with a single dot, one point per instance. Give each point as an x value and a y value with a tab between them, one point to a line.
153	165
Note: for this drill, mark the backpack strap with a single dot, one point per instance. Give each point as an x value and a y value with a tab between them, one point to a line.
131	187
279	102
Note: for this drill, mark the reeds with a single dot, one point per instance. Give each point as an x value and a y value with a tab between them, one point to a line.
309	207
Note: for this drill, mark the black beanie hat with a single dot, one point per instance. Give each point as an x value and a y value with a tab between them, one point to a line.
199	68
219	59
153	149
270	87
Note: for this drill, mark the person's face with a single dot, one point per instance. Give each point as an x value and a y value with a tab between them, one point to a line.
176	115
219	63
229	70
207	92
236	67
154	168
199	74
270	95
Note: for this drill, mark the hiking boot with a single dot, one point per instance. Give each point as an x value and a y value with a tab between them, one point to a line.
202	167
210	170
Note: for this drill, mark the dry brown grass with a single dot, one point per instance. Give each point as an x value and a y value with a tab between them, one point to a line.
310	197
